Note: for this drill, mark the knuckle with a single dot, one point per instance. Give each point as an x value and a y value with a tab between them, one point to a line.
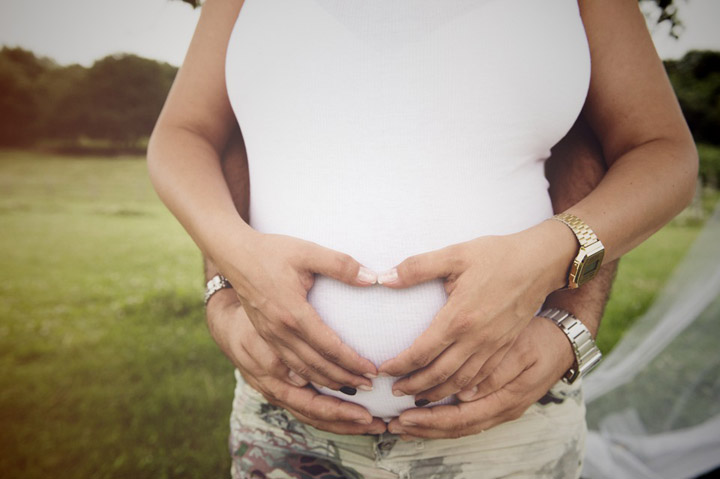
485	371
463	322
493	382
259	303
331	355
441	376
287	320
419	359
345	264
412	266
319	368
271	395
455	256
514	414
284	362
306	411
462	380
276	364
302	370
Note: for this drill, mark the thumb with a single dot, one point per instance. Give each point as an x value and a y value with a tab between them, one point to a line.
418	269
340	266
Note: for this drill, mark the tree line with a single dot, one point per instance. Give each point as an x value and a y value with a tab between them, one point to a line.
118	98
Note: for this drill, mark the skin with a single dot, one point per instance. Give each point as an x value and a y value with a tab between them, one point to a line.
536	361
648	148
641	131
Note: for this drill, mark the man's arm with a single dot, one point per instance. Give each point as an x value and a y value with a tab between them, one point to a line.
542	354
236	337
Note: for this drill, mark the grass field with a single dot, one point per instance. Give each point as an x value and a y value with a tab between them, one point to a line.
107	370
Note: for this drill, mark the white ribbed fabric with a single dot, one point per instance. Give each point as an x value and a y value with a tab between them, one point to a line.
387	128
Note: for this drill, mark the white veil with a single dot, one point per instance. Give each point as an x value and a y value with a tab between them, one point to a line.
653	405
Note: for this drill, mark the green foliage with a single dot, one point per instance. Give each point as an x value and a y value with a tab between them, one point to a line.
696	80
108	370
640	277
668	12
19	102
709	165
118	99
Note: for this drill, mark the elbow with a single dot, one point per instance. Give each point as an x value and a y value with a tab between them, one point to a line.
692	181
689	164
154	155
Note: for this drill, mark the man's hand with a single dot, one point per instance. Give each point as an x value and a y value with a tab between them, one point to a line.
538	359
541	354
262	369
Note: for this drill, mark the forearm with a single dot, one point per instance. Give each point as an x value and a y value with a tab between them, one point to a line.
191	133
645	140
642	191
186	172
234	167
574	170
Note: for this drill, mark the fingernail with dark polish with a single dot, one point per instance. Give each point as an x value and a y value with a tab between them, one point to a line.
348	390
422	402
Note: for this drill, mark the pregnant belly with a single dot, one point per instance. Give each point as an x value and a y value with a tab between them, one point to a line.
378	323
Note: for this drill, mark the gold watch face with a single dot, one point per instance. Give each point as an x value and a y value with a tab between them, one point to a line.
586	264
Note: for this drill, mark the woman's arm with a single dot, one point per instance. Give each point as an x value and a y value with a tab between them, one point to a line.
495	284
645	140
259	365
271	273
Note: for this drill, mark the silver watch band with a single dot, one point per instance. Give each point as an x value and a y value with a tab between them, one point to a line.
587	354
215	284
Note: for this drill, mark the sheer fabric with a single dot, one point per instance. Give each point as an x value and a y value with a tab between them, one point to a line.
653	405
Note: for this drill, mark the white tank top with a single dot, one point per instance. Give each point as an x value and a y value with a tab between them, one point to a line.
388	128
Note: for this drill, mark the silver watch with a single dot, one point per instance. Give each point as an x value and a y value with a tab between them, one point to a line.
215	284
587	354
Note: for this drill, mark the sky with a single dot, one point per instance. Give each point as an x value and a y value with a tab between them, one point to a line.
82	31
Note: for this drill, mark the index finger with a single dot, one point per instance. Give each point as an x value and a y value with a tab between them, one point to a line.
428	346
316	406
456	420
313	330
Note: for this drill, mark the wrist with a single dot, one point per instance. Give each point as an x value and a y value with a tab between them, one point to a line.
227	237
219	302
585	352
582	303
554	247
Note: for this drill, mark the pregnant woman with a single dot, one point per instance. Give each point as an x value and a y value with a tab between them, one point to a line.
407	138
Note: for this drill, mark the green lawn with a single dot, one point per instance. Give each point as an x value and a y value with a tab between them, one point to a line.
107	367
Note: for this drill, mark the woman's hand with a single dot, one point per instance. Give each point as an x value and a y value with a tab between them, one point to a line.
272	275
495	285
265	372
538	359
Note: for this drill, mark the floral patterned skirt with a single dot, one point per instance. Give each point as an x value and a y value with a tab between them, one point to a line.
267	442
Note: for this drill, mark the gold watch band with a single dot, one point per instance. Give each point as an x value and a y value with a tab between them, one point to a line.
590	255
582	231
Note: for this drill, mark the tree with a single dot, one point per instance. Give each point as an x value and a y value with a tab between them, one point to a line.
119	99
20	103
696	80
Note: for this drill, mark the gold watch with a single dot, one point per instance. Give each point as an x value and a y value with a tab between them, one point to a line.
589	258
